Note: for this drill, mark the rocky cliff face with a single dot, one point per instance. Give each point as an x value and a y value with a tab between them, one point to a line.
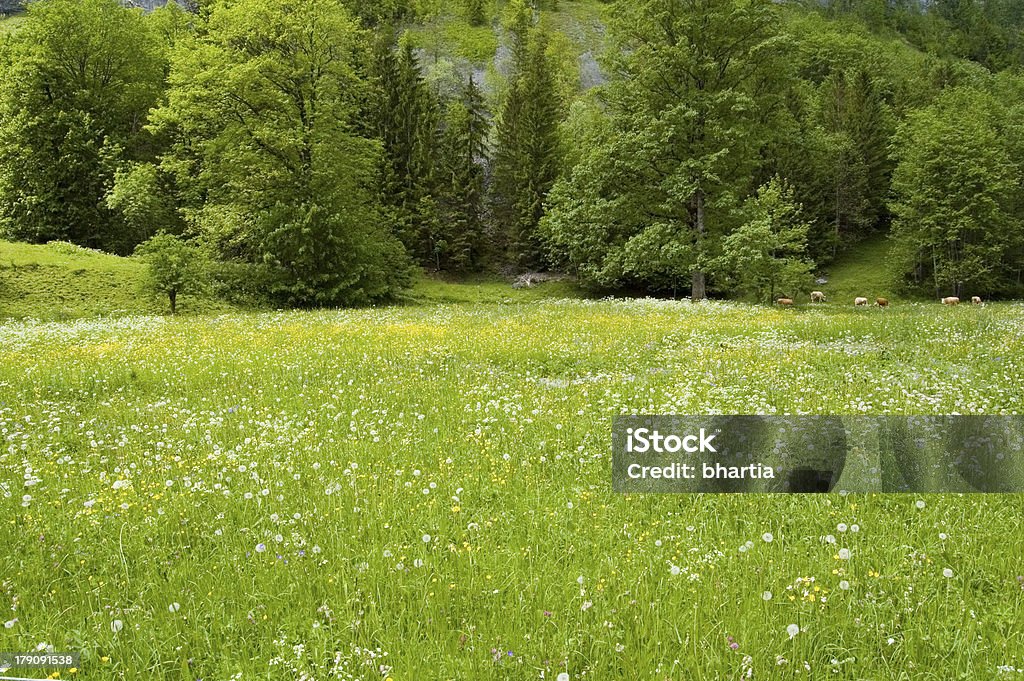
145	4
11	6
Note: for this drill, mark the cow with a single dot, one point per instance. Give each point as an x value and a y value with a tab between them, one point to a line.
975	300
817	297
882	302
951	300
860	301
785	302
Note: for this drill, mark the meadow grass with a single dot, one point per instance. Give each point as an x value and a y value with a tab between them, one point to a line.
423	492
861	271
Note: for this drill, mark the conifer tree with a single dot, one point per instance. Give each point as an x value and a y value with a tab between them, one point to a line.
527	155
407	123
462	186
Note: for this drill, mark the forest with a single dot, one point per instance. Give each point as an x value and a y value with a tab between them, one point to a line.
319	151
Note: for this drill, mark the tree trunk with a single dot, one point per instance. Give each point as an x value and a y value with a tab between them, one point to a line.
173	295
699	291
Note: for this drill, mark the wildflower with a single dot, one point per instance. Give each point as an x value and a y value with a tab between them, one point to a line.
766	596
844	585
920	503
261	547
174	607
844	554
562	677
768	537
426	539
116	626
947	573
793	630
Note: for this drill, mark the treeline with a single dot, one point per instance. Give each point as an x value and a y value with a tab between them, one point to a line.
308	145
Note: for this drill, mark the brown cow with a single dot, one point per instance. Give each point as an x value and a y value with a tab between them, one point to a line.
951	300
785	302
882	302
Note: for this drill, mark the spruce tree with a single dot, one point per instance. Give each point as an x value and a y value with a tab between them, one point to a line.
527	156
406	123
462	186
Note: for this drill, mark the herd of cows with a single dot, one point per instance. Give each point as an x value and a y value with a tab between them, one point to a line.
819	297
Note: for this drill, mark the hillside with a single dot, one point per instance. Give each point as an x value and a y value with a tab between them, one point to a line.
64	281
860	271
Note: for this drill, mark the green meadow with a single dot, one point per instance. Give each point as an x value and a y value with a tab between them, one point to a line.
423	491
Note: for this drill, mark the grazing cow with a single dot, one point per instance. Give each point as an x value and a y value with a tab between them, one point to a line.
860	301
951	300
785	302
976	300
882	302
817	297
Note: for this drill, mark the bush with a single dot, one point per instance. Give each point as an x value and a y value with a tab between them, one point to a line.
174	267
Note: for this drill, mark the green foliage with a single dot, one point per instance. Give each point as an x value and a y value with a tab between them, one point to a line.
957	195
270	165
143	202
78	81
476	11
648	206
768	254
173	267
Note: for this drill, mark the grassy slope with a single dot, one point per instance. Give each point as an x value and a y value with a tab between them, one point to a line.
61	281
860	271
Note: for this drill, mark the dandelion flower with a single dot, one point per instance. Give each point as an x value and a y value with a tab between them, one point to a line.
116	626
261	547
844	585
947	573
844	554
174	607
767	596
793	630
562	677
426	539
920	503
768	537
